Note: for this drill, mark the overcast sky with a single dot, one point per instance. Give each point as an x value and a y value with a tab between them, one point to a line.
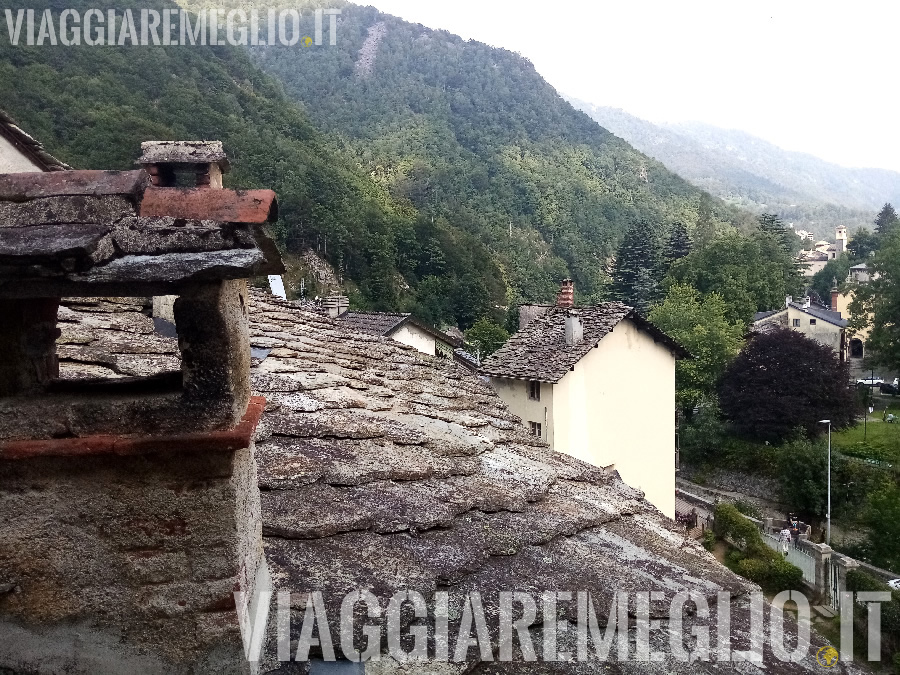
818	77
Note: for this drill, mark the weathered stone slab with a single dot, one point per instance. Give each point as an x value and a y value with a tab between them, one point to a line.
76	209
19	187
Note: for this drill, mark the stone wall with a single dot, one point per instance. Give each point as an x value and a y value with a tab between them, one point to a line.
112	564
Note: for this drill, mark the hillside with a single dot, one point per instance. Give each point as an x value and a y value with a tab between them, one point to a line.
435	175
746	170
474	138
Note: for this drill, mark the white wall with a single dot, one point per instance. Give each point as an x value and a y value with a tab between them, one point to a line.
13	161
515	394
617	407
822	331
415	337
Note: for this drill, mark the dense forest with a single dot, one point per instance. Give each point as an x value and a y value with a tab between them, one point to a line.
439	176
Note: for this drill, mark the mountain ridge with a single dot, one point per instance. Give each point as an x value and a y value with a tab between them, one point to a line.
744	169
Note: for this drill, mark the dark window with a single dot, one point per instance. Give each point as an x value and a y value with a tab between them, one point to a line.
797	323
856	348
536	429
812	322
534	390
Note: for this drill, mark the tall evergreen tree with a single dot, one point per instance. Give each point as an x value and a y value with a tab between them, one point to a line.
637	271
887	220
678	244
705	230
773	225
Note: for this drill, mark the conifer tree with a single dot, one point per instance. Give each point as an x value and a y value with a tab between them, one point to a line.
678	244
637	271
886	220
773	225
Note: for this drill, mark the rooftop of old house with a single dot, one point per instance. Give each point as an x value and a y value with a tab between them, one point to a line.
28	146
383	468
387	323
92	232
539	350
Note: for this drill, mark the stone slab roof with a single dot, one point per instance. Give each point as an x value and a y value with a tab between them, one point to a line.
373	323
81	231
29	146
384	469
538	351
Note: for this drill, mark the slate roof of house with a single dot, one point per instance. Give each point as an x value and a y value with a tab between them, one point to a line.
88	230
29	146
373	323
759	316
538	351
382	468
823	314
813	311
387	323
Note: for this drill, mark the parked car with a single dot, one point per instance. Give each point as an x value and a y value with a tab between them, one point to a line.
895	584
874	381
891	389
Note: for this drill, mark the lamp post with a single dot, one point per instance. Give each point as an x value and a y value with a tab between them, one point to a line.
828	513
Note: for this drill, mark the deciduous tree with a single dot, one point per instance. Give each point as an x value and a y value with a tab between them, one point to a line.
700	325
783	381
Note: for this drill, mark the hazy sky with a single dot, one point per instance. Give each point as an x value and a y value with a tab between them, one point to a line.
820	77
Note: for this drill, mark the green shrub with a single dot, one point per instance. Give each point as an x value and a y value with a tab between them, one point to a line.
732	524
858	580
709	540
747	508
755	570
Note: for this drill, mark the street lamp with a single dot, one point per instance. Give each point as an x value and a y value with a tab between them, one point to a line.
828	513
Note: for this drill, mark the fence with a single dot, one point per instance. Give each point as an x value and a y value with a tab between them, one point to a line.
797	556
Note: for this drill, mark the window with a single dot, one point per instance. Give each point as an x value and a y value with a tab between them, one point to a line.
534	390
812	322
536	429
796	323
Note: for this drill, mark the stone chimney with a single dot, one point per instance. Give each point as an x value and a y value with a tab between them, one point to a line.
130	505
336	305
788	300
566	295
806	302
574	329
184	163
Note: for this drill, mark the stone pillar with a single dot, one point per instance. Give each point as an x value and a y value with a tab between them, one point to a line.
822	555
845	565
28	335
214	339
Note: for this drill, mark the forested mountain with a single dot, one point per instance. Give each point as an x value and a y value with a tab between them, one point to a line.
743	169
482	147
436	175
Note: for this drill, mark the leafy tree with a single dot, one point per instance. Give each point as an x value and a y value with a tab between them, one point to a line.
877	304
886	221
824	280
803	477
636	272
883	519
705	230
752	273
862	245
782	381
677	245
487	335
699	324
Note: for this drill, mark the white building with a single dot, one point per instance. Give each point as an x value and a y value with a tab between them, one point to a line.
597	383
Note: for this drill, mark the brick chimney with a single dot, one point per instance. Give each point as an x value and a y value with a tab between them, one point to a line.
566	295
835	294
130	506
